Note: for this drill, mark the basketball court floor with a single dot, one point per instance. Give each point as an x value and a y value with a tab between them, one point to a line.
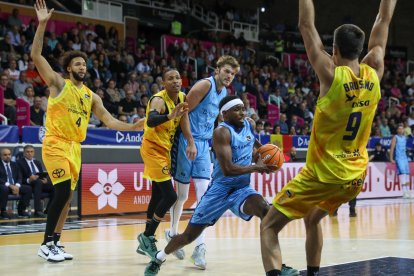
379	241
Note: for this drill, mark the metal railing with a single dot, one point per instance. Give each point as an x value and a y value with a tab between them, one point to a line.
410	66
4	120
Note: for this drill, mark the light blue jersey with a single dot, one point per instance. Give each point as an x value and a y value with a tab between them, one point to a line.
203	116
202	119
400	154
242	143
228	192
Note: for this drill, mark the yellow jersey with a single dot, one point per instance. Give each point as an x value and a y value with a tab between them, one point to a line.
341	128
163	135
68	114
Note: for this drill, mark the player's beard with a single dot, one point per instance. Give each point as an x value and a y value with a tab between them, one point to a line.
77	77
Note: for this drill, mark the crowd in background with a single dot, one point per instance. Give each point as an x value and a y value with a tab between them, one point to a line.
126	79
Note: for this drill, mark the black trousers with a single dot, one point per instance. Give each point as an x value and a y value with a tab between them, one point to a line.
25	192
38	188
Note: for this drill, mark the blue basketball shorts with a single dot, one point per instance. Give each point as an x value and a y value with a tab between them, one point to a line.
402	166
182	168
217	200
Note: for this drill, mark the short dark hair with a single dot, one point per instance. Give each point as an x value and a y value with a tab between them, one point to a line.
69	56
28	147
168	70
349	39
226	100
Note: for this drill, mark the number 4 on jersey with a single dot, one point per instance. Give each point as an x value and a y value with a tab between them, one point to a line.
78	122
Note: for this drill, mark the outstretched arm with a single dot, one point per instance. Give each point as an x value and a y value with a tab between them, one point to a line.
102	114
379	35
321	61
52	79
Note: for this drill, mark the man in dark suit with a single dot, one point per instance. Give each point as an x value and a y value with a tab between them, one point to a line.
96	72
29	168
10	183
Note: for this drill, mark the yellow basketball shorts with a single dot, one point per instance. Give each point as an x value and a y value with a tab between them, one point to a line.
302	194
62	160
157	162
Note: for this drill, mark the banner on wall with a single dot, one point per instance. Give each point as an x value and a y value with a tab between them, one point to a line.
117	188
120	188
9	134
94	136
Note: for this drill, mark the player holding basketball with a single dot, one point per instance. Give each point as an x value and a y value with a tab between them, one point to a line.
69	108
203	100
337	156
233	143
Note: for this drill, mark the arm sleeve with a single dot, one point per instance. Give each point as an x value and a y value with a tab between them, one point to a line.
155	119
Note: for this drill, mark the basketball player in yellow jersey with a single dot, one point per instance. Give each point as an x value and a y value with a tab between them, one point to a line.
166	111
69	108
337	157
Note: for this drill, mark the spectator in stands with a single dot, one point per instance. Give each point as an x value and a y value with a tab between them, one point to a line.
90	45
275	98
10	183
128	106
267	129
7	50
29	95
12	71
114	95
154	90
14	19
34	78
385	129
276	129
23	62
118	69
9	99
143	67
410	119
249	110
30	169
96	72
409	80
143	102
284	128
259	127
407	129
37	115
123	118
379	154
293	155
20	85
15	37
132	81
279	46
305	130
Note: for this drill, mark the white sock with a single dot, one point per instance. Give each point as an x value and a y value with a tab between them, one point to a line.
177	209
201	186
405	187
161	255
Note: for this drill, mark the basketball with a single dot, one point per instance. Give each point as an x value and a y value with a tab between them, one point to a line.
271	155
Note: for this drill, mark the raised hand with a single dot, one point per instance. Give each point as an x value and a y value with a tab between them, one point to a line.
179	110
41	10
